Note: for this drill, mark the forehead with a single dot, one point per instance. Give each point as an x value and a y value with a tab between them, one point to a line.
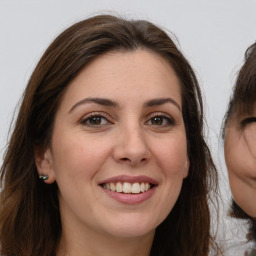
117	74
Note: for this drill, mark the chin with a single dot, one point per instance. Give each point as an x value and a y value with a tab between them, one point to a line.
248	209
132	228
132	232
251	212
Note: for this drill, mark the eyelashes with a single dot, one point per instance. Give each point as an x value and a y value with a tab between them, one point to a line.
102	120
160	119
248	120
96	120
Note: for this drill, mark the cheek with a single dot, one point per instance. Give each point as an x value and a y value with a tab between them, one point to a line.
244	194
250	139
231	161
78	157
172	159
172	156
239	160
233	151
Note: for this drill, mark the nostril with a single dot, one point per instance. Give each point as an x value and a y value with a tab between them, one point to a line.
125	159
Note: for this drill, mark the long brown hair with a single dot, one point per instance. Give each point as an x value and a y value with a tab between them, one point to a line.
29	216
242	102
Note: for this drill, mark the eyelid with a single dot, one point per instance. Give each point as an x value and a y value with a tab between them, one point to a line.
161	114
94	114
248	120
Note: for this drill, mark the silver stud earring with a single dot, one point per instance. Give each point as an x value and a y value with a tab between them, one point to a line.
43	177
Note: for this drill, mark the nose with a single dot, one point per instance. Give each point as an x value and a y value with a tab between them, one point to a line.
131	147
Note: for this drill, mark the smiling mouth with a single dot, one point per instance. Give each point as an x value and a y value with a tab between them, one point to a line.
127	187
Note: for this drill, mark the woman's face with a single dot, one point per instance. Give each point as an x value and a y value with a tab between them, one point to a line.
119	150
240	155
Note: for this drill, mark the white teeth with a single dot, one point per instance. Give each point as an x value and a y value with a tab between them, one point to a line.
112	187
127	188
135	188
142	187
119	187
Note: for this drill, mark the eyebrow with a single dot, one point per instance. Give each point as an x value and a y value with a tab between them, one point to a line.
161	101
110	103
100	101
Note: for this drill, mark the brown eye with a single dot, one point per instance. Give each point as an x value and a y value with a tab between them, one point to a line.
157	120
160	120
95	120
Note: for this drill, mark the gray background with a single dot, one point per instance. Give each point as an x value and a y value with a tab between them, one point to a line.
213	35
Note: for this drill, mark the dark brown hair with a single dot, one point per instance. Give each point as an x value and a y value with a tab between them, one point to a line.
29	216
242	102
244	91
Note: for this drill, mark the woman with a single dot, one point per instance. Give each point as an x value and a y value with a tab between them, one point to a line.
107	155
240	137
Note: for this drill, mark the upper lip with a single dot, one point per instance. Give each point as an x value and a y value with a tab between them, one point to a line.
130	179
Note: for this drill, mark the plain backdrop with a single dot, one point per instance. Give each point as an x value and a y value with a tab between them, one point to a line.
213	35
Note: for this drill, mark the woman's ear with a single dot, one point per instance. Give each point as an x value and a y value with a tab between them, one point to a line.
186	168
44	164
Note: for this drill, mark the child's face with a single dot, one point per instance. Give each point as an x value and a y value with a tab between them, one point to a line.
240	155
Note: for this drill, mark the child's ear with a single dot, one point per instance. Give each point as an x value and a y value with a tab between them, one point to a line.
186	168
44	165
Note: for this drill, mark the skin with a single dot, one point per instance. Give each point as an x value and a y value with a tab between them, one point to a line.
240	156
126	139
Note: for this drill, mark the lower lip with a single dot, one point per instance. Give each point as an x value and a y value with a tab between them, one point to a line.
130	198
